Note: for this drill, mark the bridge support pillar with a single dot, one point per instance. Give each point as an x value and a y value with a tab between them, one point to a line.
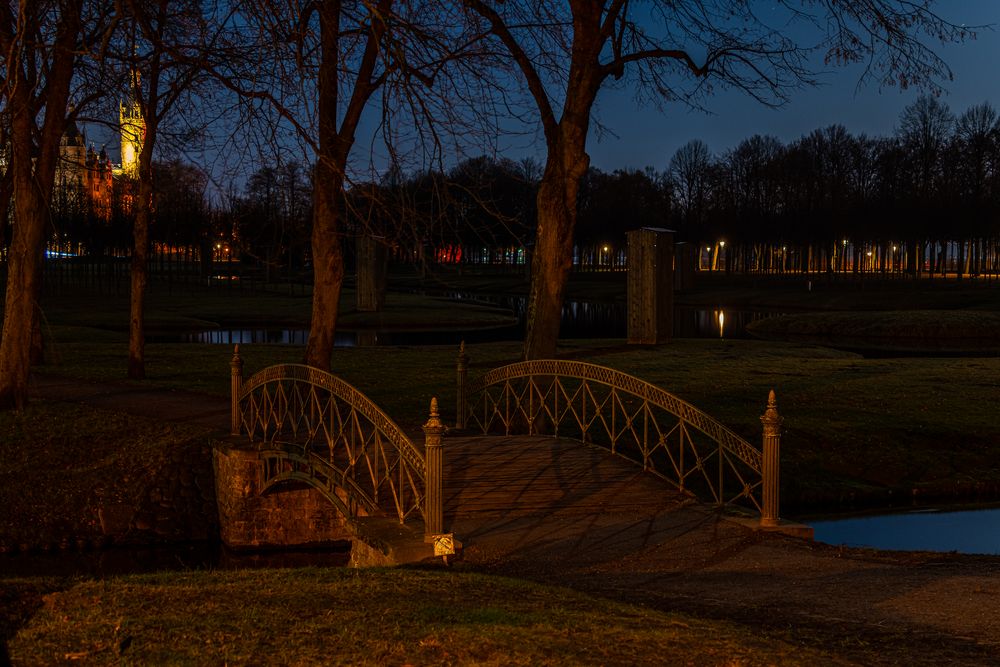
235	385
770	465
462	374
434	510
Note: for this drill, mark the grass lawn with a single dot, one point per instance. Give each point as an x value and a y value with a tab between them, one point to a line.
376	617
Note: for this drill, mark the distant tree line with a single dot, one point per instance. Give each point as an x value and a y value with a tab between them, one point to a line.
925	199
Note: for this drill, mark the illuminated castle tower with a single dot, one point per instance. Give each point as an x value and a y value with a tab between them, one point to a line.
133	129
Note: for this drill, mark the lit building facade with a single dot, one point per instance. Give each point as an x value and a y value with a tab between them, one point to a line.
87	181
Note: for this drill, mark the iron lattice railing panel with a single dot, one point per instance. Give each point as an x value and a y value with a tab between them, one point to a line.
313	427
630	417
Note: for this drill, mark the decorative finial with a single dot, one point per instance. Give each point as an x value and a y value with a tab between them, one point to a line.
771	419
434	421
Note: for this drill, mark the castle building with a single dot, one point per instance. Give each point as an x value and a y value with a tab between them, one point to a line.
87	181
133	132
84	178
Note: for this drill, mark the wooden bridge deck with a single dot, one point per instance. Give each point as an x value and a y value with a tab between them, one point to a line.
522	502
537	476
515	498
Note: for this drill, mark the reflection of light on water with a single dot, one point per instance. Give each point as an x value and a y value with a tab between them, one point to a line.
720	317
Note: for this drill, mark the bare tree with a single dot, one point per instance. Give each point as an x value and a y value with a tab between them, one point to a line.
568	50
160	78
40	42
689	172
924	133
327	61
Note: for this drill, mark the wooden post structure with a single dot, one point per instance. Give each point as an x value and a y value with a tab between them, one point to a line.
462	373
650	286
770	462
371	274
433	496
236	383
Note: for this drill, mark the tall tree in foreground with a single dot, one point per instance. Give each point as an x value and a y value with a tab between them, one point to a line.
160	77
316	67
568	50
40	42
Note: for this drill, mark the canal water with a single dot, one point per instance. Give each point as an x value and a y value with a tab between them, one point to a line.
967	531
580	319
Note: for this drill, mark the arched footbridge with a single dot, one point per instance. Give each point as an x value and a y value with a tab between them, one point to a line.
511	448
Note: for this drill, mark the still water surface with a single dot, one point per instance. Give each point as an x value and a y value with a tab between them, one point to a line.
965	531
580	319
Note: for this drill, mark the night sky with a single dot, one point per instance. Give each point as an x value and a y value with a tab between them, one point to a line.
646	137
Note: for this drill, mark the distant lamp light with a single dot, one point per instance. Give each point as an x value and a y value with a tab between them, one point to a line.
722	244
845	241
607	248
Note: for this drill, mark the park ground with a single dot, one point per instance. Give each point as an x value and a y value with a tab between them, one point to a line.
859	432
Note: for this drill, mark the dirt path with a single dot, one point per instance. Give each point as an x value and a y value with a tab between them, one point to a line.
872	607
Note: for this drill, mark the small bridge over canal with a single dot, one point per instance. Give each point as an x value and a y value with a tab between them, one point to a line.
311	458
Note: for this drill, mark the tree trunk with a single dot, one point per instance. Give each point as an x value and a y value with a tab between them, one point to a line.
32	177
552	256
328	268
139	280
21	301
328	187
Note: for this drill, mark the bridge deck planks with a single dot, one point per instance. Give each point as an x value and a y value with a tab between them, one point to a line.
528	476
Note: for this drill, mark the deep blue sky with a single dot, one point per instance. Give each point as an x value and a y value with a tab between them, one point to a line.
647	137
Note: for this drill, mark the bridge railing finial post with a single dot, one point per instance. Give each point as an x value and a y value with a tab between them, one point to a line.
433	494
770	466
236	383
462	373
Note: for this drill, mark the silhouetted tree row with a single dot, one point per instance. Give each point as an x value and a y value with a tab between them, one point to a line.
925	199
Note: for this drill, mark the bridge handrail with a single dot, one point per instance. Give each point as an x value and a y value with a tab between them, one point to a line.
647	391
762	462
342	390
370	456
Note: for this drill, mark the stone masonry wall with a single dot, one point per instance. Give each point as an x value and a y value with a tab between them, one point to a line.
284	516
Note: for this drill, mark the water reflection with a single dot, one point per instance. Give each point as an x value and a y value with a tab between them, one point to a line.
967	531
580	319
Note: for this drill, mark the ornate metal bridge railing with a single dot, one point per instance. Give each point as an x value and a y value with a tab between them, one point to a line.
311	426
633	419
